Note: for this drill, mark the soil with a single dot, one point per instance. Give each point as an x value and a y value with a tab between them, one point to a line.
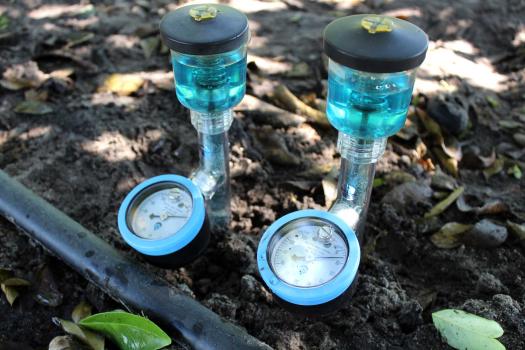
86	155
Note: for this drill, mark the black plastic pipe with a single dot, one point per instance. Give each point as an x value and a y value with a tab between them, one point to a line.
124	279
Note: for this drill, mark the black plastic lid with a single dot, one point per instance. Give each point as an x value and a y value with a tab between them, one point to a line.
204	29
374	43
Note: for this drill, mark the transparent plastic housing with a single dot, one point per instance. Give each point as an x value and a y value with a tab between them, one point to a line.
356	177
213	174
210	83
368	105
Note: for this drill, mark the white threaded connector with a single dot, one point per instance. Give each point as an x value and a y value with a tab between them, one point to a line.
212	123
358	150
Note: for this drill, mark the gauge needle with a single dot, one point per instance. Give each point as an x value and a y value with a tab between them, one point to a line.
165	216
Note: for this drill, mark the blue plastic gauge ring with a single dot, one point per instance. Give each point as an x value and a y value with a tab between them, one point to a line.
309	260
164	219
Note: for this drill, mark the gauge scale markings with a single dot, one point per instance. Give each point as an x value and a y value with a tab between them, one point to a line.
161	213
309	256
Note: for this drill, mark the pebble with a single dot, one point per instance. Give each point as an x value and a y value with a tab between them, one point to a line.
408	193
252	290
442	181
519	138
486	234
450	112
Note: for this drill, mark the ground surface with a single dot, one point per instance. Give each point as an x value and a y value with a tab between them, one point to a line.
95	146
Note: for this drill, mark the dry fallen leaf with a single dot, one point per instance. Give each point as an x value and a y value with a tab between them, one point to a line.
448	163
449	236
78	38
509	124
10	285
397	177
445	203
81	311
64	342
95	341
518	231
122	84
491	207
494	169
21	76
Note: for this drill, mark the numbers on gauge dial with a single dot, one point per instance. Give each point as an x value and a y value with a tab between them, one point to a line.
309	256
162	213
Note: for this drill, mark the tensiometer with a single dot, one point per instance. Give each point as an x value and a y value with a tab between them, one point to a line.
309	260
164	219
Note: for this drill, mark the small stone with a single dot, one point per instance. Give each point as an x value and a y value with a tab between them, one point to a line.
519	138
409	193
450	112
442	181
48	293
252	290
486	234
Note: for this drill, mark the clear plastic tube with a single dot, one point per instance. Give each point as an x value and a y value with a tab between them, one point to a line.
356	178
213	174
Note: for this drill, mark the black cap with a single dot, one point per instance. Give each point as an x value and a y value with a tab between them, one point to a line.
204	29
375	43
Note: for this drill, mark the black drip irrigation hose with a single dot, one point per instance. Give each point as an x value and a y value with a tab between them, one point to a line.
122	278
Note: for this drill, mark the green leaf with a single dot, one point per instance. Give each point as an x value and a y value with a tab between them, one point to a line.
493	101
95	341
515	170
4	22
378	182
33	107
465	331
81	311
128	331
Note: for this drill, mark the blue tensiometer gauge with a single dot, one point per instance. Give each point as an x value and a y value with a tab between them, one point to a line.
309	260
164	218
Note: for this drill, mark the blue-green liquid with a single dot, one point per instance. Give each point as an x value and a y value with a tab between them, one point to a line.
367	107
210	83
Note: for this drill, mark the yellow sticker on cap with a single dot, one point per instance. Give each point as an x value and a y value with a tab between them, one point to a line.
203	12
377	24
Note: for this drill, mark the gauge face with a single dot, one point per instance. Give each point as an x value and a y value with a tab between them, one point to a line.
160	211
308	252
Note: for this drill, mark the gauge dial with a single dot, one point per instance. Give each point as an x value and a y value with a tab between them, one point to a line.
160	211
308	252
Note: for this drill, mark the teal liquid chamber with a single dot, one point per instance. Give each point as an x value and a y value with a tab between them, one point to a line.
210	83
368	105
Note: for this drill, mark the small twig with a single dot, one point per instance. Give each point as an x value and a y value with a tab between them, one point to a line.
66	55
266	113
295	105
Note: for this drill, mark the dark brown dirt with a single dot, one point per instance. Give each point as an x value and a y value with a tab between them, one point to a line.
86	155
